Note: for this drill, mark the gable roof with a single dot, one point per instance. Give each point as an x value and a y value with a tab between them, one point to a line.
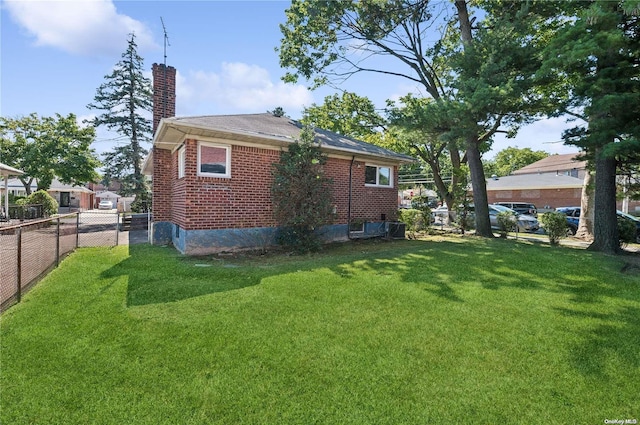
263	129
529	182
6	171
553	164
56	186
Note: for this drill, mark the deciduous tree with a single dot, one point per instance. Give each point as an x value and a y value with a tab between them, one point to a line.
48	147
511	159
480	79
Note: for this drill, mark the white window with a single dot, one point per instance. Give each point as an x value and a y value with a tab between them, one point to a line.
181	162
214	160
375	175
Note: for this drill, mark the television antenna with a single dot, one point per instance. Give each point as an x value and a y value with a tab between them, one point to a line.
166	41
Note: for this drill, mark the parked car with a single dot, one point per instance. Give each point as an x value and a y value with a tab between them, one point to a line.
440	214
520	207
105	204
573	219
526	223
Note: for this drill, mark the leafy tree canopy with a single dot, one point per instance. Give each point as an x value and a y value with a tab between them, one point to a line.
349	114
511	159
48	147
478	72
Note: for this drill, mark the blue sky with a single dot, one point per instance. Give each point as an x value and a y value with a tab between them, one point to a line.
55	54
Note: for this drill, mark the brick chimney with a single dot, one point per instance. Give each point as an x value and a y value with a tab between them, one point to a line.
164	93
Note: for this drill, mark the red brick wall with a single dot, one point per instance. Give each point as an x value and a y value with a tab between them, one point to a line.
163	176
539	197
244	200
553	198
164	92
367	203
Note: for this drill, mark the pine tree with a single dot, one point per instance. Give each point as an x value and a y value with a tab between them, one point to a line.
124	99
301	194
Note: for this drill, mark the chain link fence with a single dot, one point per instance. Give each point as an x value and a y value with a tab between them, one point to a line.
30	249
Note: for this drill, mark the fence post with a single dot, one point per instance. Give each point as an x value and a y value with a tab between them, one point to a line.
19	289
117	224
77	229
57	241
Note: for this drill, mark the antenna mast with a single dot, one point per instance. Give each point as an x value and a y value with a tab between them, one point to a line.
166	41
164	91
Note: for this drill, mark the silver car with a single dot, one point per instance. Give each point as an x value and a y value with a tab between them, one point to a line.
526	223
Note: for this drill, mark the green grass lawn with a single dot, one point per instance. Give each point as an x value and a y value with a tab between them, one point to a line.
446	330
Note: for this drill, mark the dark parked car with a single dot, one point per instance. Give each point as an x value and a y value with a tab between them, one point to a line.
573	218
520	207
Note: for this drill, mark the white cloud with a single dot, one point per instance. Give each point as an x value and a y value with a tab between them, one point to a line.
237	88
88	27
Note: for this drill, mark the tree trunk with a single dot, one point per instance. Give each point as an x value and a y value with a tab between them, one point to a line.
605	224
479	185
26	184
585	225
474	160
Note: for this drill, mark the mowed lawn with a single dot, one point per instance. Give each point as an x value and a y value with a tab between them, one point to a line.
445	330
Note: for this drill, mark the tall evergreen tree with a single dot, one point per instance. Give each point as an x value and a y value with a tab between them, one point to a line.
596	52
126	99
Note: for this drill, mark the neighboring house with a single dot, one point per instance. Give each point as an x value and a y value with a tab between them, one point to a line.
565	164
554	181
545	191
69	198
212	178
107	195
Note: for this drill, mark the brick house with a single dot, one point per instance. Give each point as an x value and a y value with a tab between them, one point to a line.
552	182
546	191
212	178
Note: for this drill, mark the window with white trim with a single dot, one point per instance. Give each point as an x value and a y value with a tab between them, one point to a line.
181	162
375	175
214	160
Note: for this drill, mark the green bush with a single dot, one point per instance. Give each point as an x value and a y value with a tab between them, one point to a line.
627	231
302	194
415	221
421	203
142	203
507	222
555	225
41	197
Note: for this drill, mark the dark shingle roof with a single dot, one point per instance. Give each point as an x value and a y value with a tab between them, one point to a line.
271	130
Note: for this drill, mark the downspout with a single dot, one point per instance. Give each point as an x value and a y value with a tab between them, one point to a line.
353	158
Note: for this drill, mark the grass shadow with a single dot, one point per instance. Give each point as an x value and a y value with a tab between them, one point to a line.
161	275
614	341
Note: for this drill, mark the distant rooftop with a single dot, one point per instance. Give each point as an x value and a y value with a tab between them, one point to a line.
553	164
528	181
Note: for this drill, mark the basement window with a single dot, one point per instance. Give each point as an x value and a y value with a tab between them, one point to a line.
375	175
214	160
